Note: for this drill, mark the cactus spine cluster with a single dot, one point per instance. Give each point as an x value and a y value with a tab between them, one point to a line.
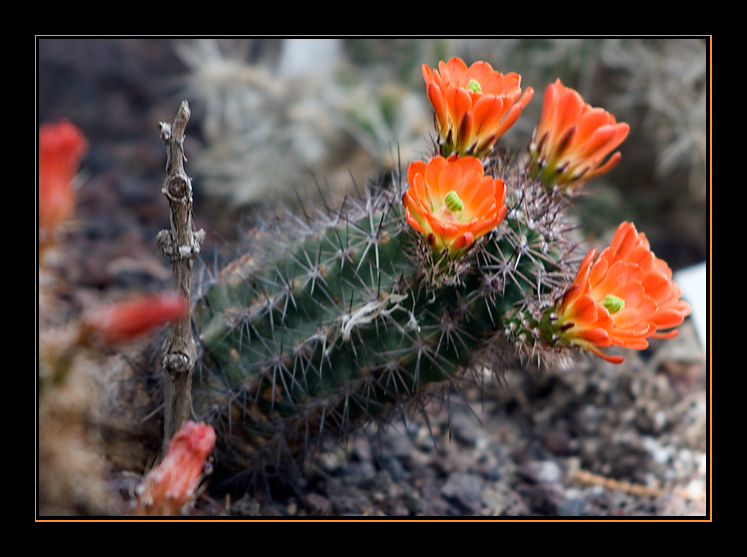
338	316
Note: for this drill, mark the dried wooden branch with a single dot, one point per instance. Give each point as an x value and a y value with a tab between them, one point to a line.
181	244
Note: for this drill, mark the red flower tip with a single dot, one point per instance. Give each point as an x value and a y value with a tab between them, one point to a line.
61	147
622	298
171	485
572	139
473	106
124	321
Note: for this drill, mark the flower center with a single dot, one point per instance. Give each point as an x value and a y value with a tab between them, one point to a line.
613	304
474	86
453	203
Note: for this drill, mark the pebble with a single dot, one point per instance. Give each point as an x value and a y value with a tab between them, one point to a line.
316	504
540	471
464	490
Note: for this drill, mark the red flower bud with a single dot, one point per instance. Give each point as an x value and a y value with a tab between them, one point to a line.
61	146
124	321
171	485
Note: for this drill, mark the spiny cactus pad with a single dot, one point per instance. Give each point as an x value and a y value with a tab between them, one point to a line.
346	316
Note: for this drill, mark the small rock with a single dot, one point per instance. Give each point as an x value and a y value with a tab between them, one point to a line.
545	498
541	471
317	504
465	427
246	506
572	506
464	490
397	443
558	441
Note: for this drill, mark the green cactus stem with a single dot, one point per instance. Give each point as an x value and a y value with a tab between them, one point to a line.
329	324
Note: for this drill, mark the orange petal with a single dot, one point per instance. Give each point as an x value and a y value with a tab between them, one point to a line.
415	167
455	68
606	167
462	240
672	316
591	120
510	119
481	188
487	112
478	70
469	190
660	287
487	205
665	335
527	96
596	144
610	359
618	275
414	222
492	84
459	102
433	169
583	310
435	96
568	110
511	82
596	335
449	179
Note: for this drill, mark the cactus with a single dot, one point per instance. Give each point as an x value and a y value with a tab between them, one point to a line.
343	315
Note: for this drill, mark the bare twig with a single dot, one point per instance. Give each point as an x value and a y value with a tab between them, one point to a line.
182	245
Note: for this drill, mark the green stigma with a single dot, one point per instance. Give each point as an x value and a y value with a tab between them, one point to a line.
473	86
452	201
613	304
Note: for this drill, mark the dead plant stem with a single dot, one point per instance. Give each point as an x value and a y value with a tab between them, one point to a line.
181	244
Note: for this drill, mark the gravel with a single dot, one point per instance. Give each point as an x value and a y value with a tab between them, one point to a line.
599	440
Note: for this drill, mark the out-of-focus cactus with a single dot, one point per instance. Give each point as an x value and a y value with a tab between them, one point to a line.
72	347
61	147
347	314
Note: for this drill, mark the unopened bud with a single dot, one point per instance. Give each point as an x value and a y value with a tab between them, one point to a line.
170	486
124	321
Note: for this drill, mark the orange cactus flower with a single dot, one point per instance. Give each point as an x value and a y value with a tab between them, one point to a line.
171	485
61	147
124	321
473	106
622	298
452	203
572	139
